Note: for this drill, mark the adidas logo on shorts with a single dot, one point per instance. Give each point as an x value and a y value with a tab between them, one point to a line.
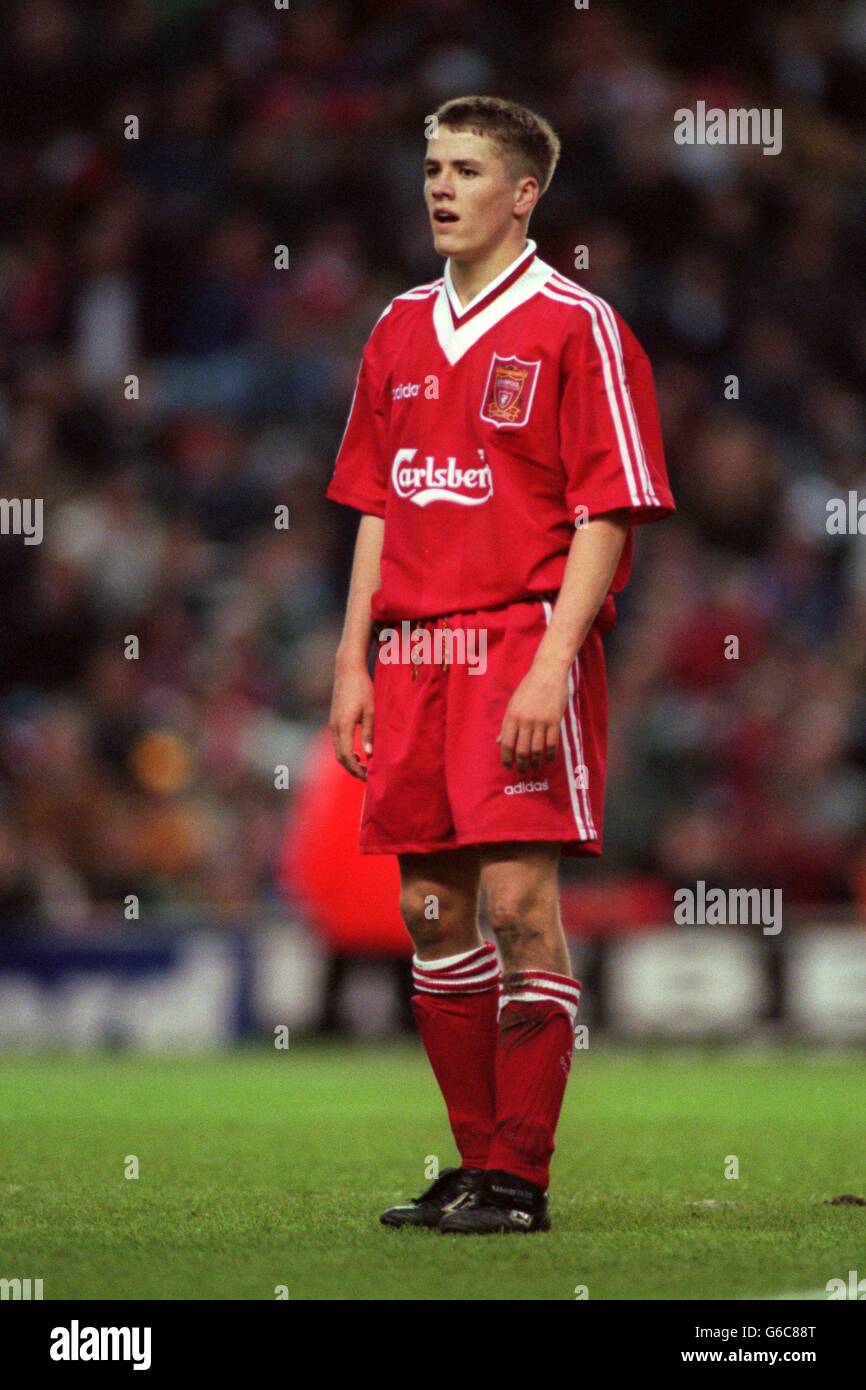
515	788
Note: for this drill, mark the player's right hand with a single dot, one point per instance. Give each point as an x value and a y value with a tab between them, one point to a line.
351	705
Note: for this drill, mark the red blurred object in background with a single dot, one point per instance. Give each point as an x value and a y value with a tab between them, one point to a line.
617	904
351	899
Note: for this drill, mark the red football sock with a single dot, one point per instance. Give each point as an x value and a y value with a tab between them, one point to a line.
537	1014
455	1009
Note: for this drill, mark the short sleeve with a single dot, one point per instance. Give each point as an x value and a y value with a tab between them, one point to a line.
610	434
360	474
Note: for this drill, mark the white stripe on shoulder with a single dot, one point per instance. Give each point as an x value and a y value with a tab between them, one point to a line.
563	298
610	318
563	283
606	334
419	291
568	283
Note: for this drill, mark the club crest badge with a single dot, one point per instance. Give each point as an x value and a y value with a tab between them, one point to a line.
510	388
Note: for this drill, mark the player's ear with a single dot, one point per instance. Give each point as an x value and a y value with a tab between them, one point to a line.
526	195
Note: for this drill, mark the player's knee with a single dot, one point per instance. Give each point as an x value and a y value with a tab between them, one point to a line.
429	921
510	909
514	920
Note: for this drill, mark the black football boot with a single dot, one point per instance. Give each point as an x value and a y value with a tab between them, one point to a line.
502	1204
452	1188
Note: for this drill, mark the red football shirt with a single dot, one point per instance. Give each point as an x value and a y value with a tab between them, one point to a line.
483	434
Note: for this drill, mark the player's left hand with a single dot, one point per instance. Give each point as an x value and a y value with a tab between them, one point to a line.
530	728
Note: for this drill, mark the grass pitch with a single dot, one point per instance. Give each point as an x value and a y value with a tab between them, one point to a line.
260	1169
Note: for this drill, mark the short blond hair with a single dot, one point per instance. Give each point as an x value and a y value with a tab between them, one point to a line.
527	141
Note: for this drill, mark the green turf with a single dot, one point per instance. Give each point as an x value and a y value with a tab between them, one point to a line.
260	1169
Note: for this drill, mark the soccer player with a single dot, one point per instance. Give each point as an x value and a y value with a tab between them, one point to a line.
503	441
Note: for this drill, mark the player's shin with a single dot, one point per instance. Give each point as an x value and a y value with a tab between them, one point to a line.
537	1014
455	1006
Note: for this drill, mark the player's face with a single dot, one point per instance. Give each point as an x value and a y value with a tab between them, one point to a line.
469	192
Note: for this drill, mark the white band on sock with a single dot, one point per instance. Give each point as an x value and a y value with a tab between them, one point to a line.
536	986
470	972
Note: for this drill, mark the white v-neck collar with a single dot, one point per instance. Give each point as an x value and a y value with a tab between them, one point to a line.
456	338
461	310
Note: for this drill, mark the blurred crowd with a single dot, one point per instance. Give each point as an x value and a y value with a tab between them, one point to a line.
166	388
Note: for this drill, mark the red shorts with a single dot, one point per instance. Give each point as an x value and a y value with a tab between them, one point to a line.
435	778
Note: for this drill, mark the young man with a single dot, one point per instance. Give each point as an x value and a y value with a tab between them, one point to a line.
502	442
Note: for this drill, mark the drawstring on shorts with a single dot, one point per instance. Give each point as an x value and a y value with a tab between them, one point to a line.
419	627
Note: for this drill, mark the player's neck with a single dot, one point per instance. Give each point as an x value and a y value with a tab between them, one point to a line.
470	278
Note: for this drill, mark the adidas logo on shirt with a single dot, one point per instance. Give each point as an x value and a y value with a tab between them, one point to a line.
515	788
